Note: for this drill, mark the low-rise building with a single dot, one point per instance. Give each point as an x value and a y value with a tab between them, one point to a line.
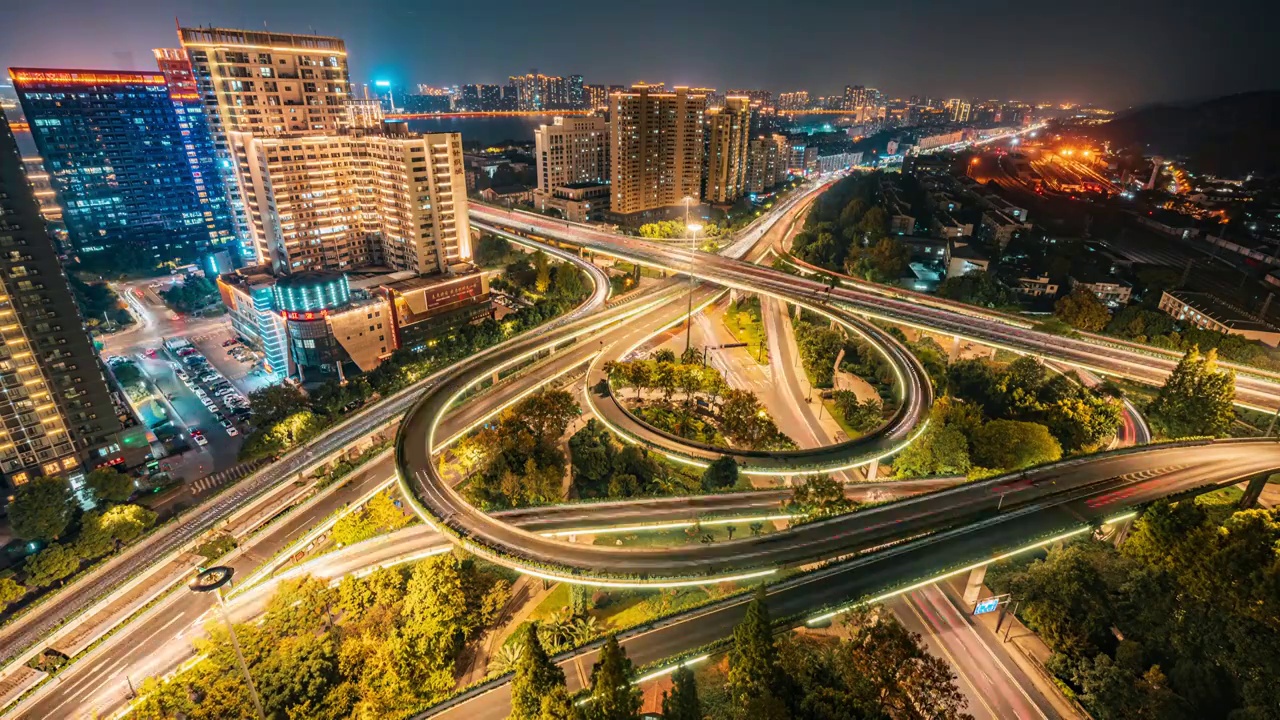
1037	286
508	195
999	228
315	324
962	258
1112	292
1211	313
576	202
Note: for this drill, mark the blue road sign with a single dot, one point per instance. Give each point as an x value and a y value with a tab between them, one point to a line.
986	606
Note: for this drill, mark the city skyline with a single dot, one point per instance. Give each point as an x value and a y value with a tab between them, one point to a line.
916	48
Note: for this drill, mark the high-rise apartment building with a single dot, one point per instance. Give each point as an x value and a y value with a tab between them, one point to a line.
760	99
726	151
656	148
269	83
125	166
346	200
57	416
767	161
575	93
855	96
490	98
597	97
572	150
958	110
536	91
798	100
263	84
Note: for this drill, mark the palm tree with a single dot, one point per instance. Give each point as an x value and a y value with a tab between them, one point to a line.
584	629
506	659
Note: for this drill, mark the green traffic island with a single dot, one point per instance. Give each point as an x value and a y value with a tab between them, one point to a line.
992	418
745	323
1197	400
1129	626
691	401
382	645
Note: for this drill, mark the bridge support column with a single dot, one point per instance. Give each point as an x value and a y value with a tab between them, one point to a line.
872	469
973	588
733	295
495	377
955	349
1253	491
797	312
1120	531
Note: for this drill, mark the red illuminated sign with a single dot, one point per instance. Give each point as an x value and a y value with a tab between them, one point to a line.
295	315
83	77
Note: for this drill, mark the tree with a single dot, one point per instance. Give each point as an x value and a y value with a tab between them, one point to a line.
557	705
819	496
109	486
1013	445
592	453
535	677
274	403
1066	599
665	356
682	702
544	416
940	450
1082	309
11	591
861	417
720	474
754	677
41	509
613	697
569	283
51	564
884	260
1197	398
542	266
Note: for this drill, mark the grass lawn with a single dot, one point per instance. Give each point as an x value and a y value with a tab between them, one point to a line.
556	599
744	322
830	405
676	537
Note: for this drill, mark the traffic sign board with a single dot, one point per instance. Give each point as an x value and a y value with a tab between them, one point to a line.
986	606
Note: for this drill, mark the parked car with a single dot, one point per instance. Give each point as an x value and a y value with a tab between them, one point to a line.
200	440
186	352
232	432
228	343
183	376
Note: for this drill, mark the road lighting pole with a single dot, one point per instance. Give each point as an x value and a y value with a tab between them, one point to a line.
688	322
212	580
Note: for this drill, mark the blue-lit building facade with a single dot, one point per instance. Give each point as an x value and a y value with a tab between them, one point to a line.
124	158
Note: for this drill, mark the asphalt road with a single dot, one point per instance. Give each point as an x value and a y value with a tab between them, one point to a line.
866	576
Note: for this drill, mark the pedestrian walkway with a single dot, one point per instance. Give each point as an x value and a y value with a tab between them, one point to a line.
222	477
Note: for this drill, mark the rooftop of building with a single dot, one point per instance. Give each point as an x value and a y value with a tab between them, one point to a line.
1221	311
585	185
509	189
419	282
965	251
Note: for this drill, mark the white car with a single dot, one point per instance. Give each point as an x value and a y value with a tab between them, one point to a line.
208	403
200	440
184	377
232	432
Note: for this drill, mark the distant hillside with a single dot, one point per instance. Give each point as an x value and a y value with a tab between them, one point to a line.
1230	135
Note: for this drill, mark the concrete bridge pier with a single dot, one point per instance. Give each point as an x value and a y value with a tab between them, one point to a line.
955	349
973	588
872	469
1253	491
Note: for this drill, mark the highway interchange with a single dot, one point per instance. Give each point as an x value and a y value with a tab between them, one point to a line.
1045	506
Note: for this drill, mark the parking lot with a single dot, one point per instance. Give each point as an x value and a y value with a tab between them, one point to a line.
238	363
225	405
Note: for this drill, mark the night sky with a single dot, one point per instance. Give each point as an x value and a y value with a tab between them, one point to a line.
1115	53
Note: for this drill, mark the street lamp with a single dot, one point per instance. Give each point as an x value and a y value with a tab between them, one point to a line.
688	323
212	580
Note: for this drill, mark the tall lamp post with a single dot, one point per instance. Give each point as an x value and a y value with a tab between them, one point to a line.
688	322
212	580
